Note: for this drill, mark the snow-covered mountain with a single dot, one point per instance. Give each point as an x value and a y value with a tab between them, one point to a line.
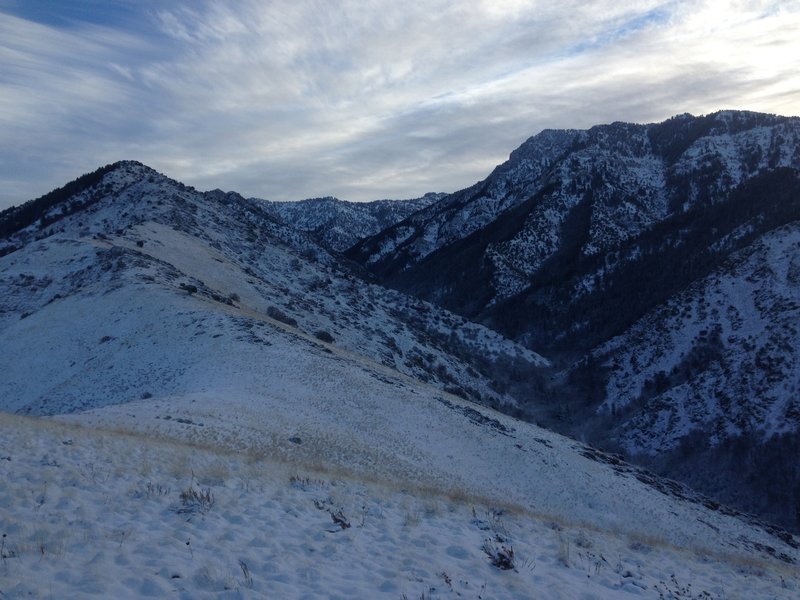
656	263
338	224
705	386
212	350
134	230
729	336
459	215
571	209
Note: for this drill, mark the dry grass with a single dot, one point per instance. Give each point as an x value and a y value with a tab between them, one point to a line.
248	470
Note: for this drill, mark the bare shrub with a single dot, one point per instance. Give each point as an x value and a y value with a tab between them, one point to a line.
276	313
194	500
324	336
500	554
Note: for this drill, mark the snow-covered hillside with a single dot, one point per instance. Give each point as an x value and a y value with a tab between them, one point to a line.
728	337
165	269
86	512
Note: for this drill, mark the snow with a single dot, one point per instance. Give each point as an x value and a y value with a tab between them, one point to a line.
87	512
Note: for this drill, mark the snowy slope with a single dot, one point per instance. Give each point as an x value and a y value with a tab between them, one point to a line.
305	407
93	513
704	388
728	337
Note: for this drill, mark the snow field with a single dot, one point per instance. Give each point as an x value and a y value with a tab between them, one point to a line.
93	513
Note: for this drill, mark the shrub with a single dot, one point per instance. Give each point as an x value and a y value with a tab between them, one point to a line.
324	336
276	313
195	500
500	555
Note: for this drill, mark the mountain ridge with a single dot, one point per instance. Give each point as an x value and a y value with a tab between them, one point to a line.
339	224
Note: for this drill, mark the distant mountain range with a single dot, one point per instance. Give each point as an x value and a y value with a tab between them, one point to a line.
633	286
338	224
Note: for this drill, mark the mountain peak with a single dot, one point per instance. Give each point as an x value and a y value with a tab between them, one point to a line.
108	184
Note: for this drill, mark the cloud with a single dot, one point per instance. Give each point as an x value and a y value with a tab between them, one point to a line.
367	99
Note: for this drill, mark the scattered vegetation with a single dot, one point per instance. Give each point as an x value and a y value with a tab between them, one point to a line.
151	490
498	547
674	590
6	552
248	577
18	217
337	514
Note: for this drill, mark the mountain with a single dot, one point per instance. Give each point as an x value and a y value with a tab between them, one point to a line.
555	227
455	217
655	266
210	374
142	238
338	224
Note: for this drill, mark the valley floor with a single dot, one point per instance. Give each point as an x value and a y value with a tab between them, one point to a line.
98	513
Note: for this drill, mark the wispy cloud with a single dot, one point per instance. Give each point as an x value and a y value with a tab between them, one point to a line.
365	99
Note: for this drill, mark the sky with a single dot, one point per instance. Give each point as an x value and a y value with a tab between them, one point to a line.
362	99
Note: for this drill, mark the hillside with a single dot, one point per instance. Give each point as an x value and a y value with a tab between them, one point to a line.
90	512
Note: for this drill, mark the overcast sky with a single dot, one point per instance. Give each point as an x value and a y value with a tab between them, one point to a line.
361	100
